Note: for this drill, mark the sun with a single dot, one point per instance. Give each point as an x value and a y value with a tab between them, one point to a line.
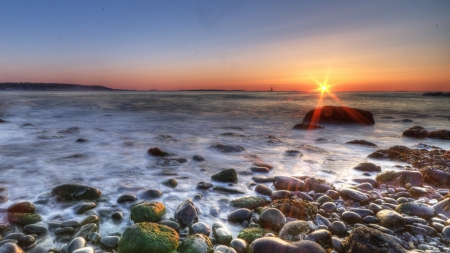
324	87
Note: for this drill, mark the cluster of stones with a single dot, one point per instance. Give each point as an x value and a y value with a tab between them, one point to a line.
420	132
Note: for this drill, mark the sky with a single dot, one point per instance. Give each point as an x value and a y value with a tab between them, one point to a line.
234	45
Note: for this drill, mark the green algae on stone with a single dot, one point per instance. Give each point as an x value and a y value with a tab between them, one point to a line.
249	202
251	234
24	218
170	183
76	192
295	208
197	243
226	176
147	237
148	212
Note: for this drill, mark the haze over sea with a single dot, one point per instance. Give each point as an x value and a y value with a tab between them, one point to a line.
121	126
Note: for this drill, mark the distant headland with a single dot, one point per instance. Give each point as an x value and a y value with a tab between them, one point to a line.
51	87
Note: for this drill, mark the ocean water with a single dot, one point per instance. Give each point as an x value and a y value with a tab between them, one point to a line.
121	126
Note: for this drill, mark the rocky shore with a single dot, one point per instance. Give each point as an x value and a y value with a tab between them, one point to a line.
406	210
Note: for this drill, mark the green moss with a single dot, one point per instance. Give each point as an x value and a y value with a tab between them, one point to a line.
148	212
250	202
24	218
196	244
226	176
251	234
170	183
147	237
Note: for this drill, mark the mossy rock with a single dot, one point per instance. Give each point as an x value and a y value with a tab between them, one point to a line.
21	207
226	176
249	202
148	212
251	234
400	178
197	243
24	218
295	208
170	183
76	192
147	237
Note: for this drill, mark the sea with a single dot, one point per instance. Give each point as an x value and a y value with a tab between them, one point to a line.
39	148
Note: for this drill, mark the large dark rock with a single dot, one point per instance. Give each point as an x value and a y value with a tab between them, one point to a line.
272	218
76	192
436	177
339	115
228	175
276	245
416	209
365	239
147	237
391	219
416	132
367	167
303	126
400	178
21	207
186	213
288	183
439	134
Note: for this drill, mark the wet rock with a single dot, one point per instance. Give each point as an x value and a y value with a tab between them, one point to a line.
276	245
332	194
263	189
339	115
295	208
292	152
361	211
152	194
416	132
303	126
196	244
224	249
24	218
86	230
10	247
338	228
228	175
158	152
436	177
364	187
204	185
391	219
148	212
362	142
324	199
351	217
90	219
439	134
76	192
288	183
304	196
21	207
110	242
186	213
321	237
239	245
400	178
64	231
329	207
240	215
355	195
272	219
83	250
82	207
252	233
365	239
446	232
146	237
76	243
443	207
250	202
221	233
416	209
318	185
281	194
228	148
198	158
70	130
294	230
200	228
81	140
371	181
35	229
260	169
170	183
367	167
126	198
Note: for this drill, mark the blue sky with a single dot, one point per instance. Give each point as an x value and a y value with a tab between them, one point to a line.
400	45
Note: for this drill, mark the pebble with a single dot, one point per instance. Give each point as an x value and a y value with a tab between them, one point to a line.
110	242
200	228
263	189
351	217
338	228
272	218
329	207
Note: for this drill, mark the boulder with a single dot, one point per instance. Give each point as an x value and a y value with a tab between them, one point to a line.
288	183
416	209
186	213
196	244
148	212
365	239
272	218
391	219
147	237
338	115
226	176
439	134
76	192
252	233
400	178
276	245
436	177
221	233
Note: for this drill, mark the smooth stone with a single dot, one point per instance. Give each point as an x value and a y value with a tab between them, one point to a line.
319	220
391	219
263	190
76	192
288	183
272	218
281	194
337	245
367	167
35	229
355	195
442	207
152	194
365	239
263	179
204	185
240	215
171	224
221	233
276	245
85	250
361	211
197	243
94	237
446	232
329	207
324	199
371	181
23	218
110	242
117	215
294	230
186	213
416	209
318	185
321	237
338	228
200	228
198	158
224	249
239	245
304	196
21	207
83	207
64	231
351	217
250	202
148	212
260	169
332	194
369	219
76	243
374	207
364	187
126	198
86	229
226	176
9	247
438	226
71	223
90	219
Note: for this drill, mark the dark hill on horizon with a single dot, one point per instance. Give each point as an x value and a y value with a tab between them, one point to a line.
51	87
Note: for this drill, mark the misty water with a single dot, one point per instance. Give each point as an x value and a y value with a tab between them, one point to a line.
35	156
